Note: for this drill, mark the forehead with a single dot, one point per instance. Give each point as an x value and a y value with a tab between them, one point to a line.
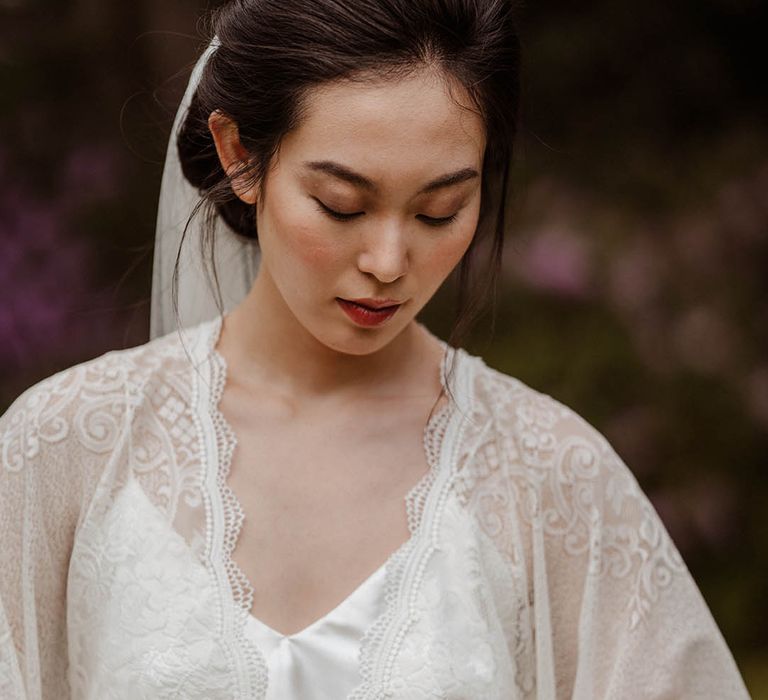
406	126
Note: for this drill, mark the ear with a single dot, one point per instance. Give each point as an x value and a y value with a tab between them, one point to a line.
232	154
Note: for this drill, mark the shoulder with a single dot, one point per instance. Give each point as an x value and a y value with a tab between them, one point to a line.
518	408
547	444
89	401
570	484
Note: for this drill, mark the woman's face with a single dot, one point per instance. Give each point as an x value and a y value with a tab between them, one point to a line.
376	195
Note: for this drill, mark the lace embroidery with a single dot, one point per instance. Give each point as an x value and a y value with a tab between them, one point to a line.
373	642
531	524
222	507
567	479
382	643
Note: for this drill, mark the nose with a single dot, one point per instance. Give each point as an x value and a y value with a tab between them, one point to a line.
384	253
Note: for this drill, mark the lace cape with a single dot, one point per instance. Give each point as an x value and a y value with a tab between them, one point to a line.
536	567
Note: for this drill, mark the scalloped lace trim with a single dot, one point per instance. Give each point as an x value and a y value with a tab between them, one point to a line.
233	516
415	500
371	645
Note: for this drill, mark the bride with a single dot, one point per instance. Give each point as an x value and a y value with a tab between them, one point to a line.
309	495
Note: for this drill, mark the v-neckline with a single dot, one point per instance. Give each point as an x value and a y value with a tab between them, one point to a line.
331	615
226	443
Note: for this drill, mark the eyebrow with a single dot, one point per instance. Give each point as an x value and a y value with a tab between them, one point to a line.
342	172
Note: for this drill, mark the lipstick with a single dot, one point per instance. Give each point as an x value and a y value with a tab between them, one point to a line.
368	316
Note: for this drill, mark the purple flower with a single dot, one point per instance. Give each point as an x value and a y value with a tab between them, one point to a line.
557	260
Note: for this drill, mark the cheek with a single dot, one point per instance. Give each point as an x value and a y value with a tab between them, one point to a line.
309	246
447	253
440	263
451	253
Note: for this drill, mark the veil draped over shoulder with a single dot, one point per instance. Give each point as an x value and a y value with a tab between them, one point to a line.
236	259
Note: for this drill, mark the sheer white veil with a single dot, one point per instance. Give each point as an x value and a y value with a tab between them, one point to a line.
236	260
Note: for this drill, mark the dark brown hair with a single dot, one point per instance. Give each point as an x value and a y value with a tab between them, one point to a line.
273	52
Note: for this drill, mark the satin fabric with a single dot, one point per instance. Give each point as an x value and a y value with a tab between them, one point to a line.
298	664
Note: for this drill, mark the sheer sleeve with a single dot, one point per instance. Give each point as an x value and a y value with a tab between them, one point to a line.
54	441
616	612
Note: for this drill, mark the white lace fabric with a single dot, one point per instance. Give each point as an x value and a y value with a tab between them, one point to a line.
536	567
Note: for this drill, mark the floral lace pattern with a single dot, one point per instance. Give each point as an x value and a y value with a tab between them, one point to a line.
536	567
137	582
583	495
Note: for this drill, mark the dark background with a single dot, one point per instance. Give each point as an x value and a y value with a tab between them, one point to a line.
635	273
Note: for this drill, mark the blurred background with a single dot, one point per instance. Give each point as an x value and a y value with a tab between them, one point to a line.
635	286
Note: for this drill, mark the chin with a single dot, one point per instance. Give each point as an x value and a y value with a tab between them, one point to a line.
358	342
366	344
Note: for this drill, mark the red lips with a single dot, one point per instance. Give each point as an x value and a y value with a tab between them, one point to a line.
369	312
375	303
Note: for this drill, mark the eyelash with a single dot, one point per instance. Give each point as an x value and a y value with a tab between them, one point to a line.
338	216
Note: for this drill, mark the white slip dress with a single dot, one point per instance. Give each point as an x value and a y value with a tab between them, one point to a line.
320	662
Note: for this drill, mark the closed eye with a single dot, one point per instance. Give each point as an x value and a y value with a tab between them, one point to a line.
444	221
340	216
